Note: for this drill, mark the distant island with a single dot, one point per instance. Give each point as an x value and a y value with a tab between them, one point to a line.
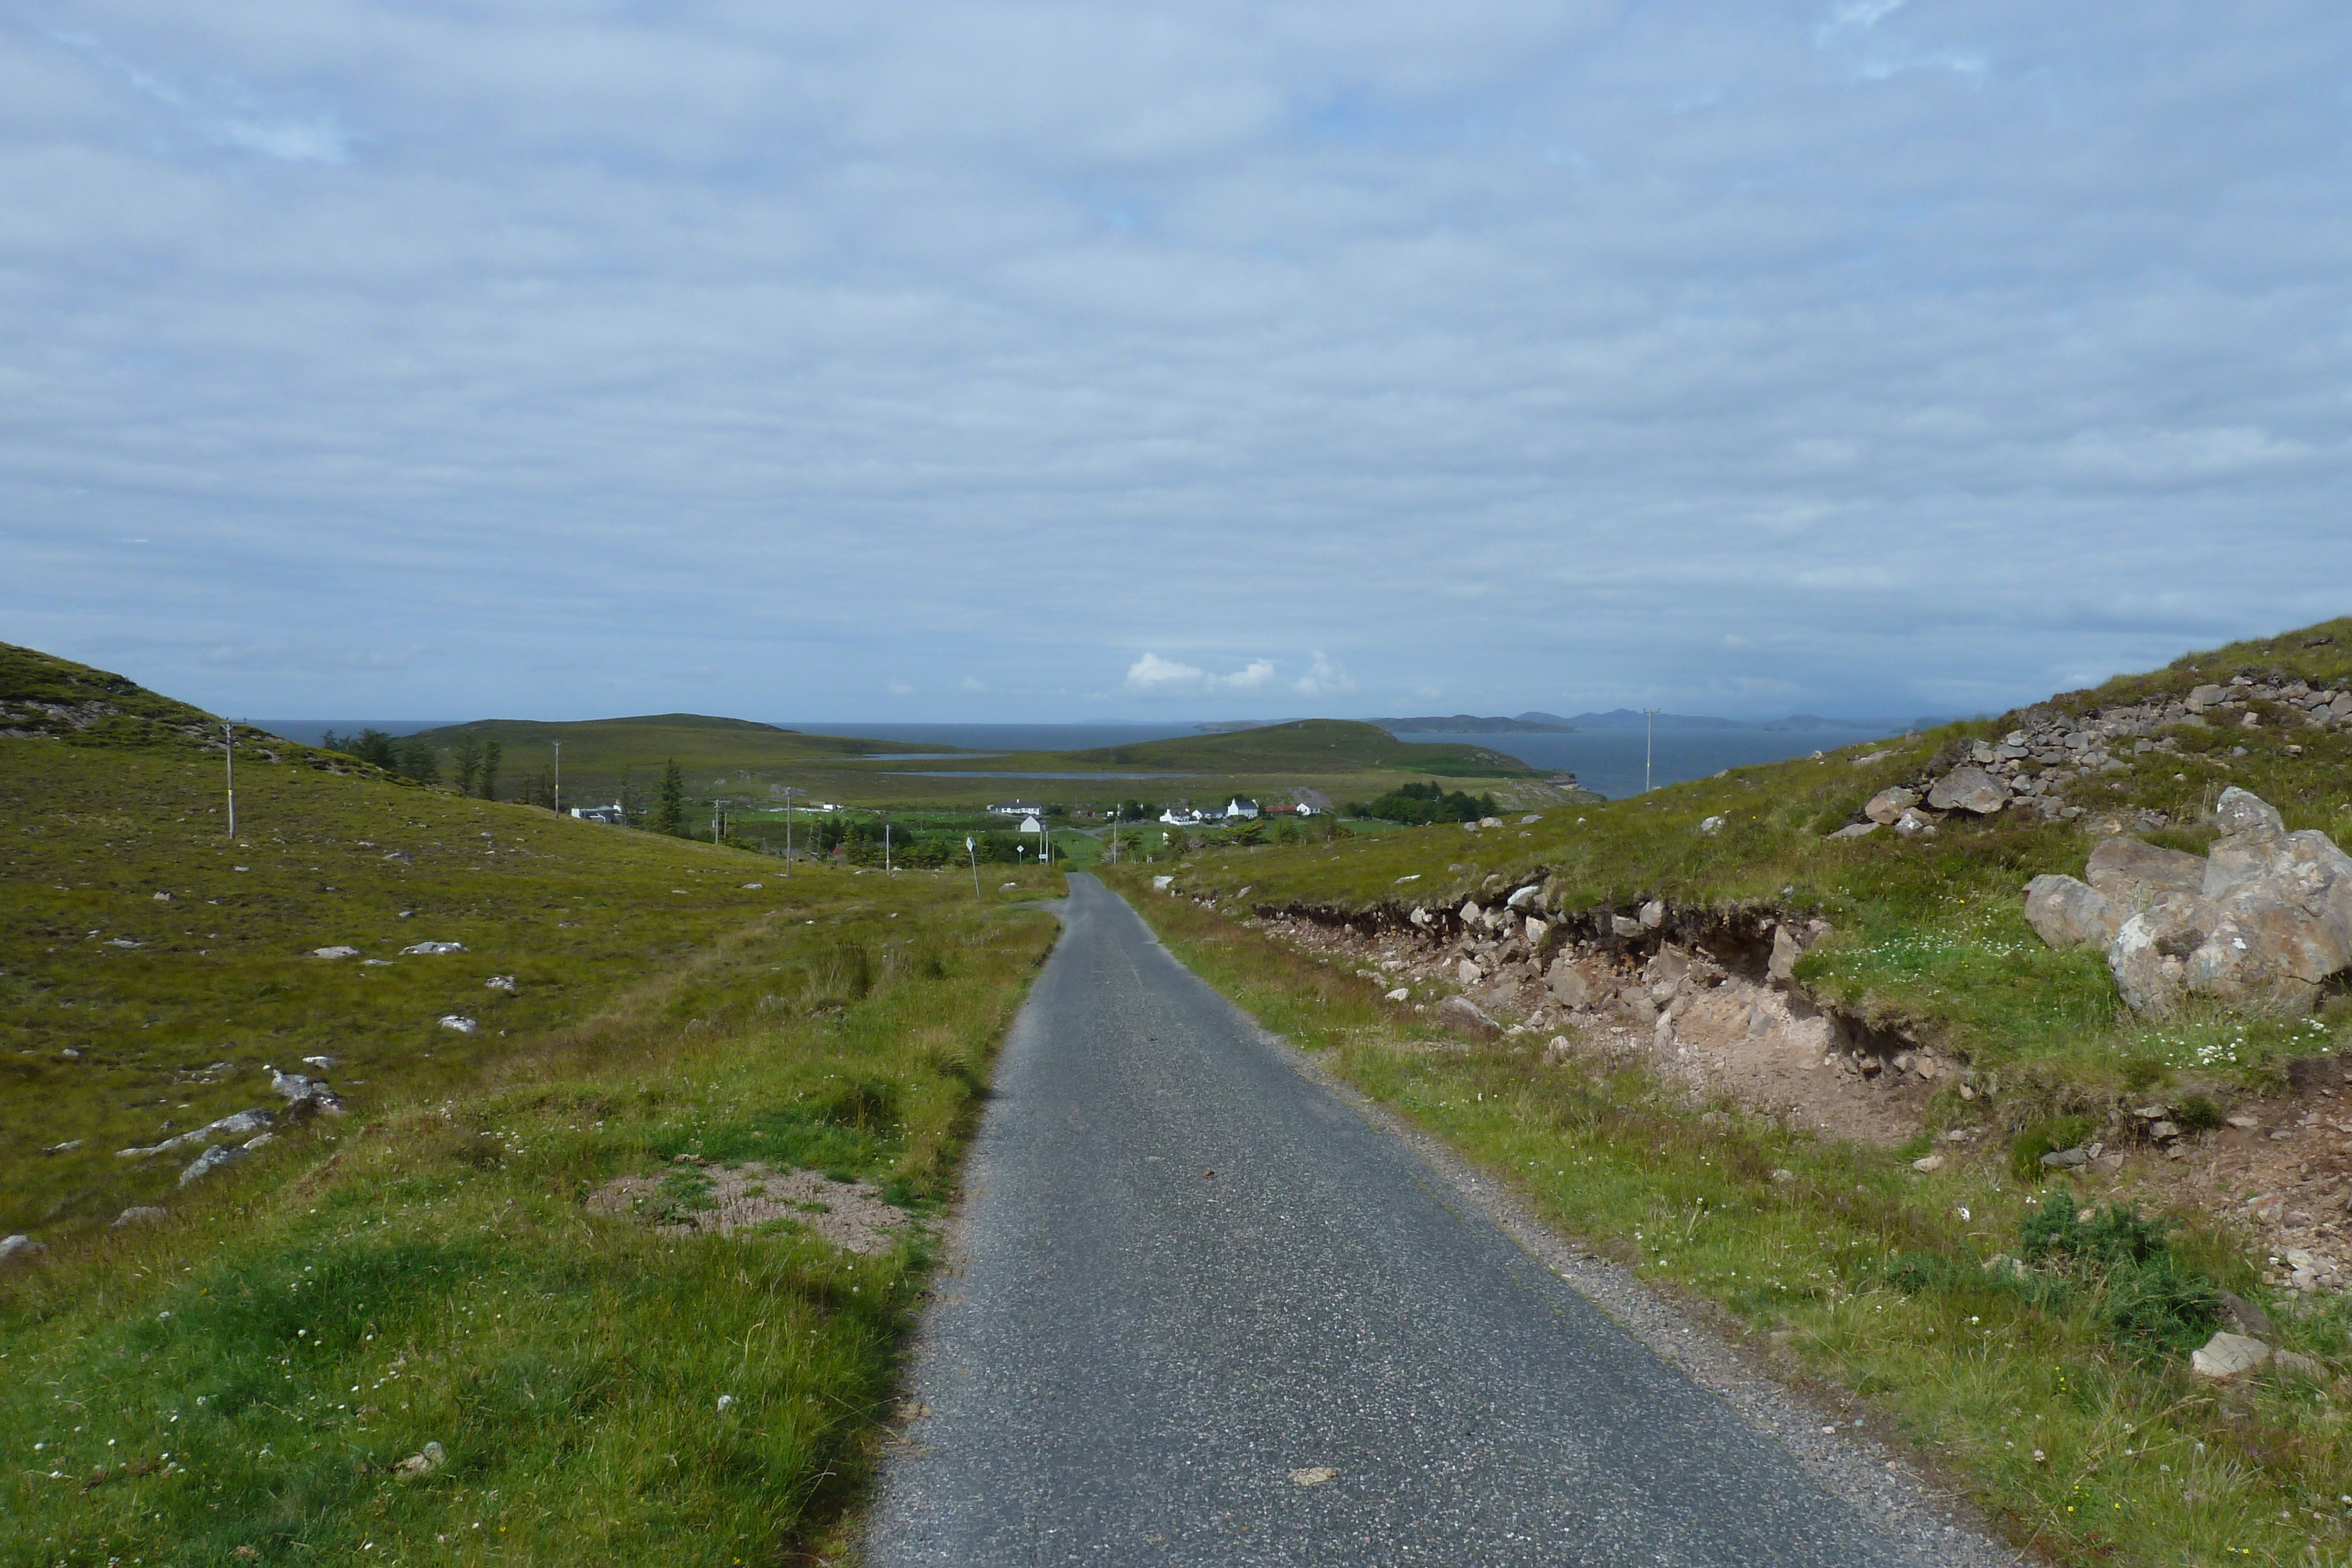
1471	724
1632	718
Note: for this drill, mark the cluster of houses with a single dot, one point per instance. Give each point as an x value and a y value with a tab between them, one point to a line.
1302	804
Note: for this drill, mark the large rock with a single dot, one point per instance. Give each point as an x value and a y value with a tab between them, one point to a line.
243	1125
1586	983
2066	913
2133	874
2227	1355
211	1160
2244	811
1786	951
1971	789
19	1249
2149	957
2263	924
1888	805
1462	1013
2285	902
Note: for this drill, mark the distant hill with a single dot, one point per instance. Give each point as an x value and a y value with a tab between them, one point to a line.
1310	746
1632	718
1471	724
598	752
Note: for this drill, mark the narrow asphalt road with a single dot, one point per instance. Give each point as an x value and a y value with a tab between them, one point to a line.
1190	1280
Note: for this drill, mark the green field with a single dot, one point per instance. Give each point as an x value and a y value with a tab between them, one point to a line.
241	1379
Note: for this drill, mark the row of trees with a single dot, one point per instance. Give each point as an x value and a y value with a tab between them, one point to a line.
1418	804
475	758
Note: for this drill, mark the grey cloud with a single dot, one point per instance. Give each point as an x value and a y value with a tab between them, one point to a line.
1525	353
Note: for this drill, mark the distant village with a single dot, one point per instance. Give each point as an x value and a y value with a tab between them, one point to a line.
1303	803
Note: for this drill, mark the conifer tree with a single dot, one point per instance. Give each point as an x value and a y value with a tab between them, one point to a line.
669	806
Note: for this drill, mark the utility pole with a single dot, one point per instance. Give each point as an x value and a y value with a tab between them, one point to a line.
972	849
788	793
559	777
228	754
885	850
1649	717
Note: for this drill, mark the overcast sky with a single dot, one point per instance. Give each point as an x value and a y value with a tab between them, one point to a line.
980	361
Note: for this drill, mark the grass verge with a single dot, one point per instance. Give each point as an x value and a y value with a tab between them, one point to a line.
2049	1385
243	1384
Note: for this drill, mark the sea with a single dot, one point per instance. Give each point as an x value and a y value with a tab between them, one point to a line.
1608	762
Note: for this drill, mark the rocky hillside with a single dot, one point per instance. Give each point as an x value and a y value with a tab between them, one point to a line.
2085	915
43	696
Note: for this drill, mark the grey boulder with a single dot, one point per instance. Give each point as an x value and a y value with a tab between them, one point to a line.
211	1160
1462	1013
2261	924
1888	805
1971	789
2066	913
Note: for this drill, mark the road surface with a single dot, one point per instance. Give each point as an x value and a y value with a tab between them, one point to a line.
1188	1281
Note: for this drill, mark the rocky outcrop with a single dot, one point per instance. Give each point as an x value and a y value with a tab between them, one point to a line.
2261	924
2032	767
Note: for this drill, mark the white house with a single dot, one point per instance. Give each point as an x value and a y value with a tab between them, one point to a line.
610	813
1181	817
1032	825
1245	810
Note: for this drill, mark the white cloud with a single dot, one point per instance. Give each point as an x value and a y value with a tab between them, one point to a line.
1152	674
901	689
1323	679
1256	674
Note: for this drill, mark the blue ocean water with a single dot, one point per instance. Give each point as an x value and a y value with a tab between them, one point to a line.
1610	761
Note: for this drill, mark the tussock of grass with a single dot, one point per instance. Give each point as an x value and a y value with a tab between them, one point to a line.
2053	1390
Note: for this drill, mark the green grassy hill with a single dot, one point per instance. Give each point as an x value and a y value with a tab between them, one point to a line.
737	759
237	1375
1312	745
739	754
